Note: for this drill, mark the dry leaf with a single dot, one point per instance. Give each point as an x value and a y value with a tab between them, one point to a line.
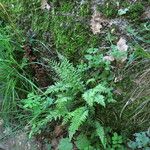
96	21
58	130
55	143
146	14
109	58
121	45
45	5
118	79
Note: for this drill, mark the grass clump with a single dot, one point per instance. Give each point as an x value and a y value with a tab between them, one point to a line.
109	9
15	83
135	11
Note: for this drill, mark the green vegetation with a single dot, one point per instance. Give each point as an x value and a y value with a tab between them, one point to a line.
63	82
142	140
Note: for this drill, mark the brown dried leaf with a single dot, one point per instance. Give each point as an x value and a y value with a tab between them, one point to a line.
146	14
45	5
96	21
58	130
121	45
109	58
55	143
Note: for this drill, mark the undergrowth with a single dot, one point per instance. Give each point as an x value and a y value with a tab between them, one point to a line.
97	94
14	79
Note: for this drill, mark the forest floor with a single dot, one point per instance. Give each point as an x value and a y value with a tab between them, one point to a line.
42	41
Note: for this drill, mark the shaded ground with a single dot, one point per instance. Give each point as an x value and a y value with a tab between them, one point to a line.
16	141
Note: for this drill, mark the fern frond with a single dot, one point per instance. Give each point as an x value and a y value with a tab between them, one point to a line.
38	125
61	105
68	74
101	134
78	117
96	95
58	87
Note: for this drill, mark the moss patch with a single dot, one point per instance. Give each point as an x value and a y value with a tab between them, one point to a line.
71	31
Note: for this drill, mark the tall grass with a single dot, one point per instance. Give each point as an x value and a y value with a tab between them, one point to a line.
15	83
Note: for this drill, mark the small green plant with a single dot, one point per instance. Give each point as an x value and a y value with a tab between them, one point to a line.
117	54
109	9
65	144
135	11
122	11
83	143
142	141
75	95
117	141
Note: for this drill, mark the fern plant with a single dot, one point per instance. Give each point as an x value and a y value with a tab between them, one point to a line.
76	94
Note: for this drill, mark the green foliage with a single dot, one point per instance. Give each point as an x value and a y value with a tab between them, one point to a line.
35	103
117	141
81	97
95	59
109	9
135	11
15	83
100	132
122	11
67	25
96	95
83	143
117	54
142	141
65	144
139	52
78	117
71	97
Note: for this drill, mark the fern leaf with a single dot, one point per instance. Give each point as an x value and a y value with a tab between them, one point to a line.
100	132
58	87
78	117
98	94
100	99
68	74
94	95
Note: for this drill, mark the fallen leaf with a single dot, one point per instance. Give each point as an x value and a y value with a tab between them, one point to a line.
96	21
109	58
118	79
146	14
58	130
122	11
121	45
45	5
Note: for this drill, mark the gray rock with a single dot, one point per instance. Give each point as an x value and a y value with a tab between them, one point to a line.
17	141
